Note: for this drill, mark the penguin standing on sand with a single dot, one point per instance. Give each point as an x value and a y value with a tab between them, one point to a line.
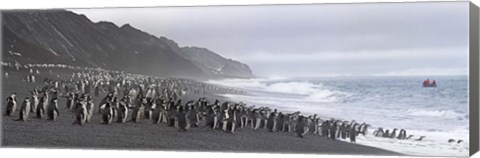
300	127
386	134
293	121
193	115
172	112
90	107
34	102
280	122
243	117
223	116
107	113
325	127
348	129
25	109
70	101
52	110
156	106
224	119
148	110
256	119
287	123
182	119
41	108
96	91
333	130
137	112
11	104
47	98
115	105
237	110
364	128
308	122
162	115
313	128
265	114
272	121
122	112
211	119
343	130
379	132
108	98
402	135
80	112
353	134
231	120
394	133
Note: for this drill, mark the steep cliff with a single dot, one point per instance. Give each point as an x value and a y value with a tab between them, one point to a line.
214	64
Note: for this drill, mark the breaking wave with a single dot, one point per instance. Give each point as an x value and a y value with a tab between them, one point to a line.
435	113
439	114
307	90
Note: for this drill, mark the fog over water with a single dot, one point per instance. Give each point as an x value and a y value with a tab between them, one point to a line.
291	48
317	40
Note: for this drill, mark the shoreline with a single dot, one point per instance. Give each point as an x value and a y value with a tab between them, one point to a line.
148	136
436	139
36	133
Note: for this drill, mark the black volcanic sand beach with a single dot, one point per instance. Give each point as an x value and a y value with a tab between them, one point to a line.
148	136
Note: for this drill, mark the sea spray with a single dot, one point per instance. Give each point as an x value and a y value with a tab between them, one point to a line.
438	113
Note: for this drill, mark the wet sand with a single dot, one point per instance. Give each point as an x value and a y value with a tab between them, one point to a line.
145	135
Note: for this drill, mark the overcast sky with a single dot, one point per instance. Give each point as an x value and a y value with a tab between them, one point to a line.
317	40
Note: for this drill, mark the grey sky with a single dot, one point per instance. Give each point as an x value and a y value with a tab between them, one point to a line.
316	40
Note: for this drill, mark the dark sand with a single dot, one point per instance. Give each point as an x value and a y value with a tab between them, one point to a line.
148	136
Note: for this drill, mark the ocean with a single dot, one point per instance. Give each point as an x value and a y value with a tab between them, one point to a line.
439	113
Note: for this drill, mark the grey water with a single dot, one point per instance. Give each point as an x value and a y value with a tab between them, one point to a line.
390	102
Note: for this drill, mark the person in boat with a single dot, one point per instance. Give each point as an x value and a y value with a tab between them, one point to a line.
434	84
426	83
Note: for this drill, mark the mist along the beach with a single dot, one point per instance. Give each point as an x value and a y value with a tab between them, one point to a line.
389	102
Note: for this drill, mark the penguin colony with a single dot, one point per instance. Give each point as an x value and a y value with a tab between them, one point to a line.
157	100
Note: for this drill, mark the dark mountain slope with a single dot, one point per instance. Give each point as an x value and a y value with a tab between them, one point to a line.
58	36
214	64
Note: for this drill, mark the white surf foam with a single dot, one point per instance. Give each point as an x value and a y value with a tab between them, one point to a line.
311	92
435	113
438	124
435	144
